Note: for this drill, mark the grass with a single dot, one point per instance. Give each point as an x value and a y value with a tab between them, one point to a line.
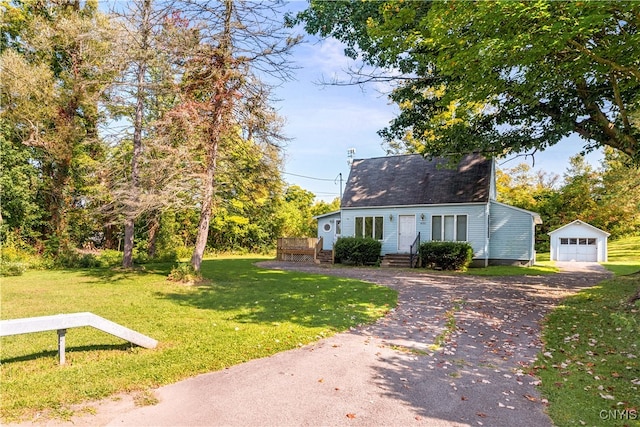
624	256
590	365
241	313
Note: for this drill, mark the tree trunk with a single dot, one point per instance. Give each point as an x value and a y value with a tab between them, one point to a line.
207	206
127	258
153	236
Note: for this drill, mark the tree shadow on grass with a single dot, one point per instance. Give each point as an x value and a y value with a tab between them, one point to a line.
253	295
68	351
116	274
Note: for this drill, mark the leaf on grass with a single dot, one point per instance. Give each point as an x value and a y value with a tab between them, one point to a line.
607	396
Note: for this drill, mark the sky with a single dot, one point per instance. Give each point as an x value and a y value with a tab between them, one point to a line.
324	121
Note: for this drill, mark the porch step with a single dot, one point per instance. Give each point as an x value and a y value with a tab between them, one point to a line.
324	257
396	261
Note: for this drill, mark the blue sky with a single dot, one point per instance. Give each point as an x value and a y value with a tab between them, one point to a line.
323	122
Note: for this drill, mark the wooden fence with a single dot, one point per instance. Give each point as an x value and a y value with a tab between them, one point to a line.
298	249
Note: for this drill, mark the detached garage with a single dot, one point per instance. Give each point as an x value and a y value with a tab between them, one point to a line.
579	241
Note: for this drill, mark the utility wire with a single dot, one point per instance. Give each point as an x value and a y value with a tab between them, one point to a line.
309	177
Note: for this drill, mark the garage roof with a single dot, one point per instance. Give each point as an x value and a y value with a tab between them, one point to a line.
578	222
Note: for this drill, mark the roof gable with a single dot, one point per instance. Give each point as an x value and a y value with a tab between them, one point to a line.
414	180
580	223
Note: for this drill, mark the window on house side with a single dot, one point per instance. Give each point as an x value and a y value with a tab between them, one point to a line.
436	227
369	226
359	226
449	227
378	227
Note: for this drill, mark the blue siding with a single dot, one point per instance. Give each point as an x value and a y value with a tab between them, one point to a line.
476	224
327	236
511	233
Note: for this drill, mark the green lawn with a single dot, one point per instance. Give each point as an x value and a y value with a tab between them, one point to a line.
624	255
590	365
242	313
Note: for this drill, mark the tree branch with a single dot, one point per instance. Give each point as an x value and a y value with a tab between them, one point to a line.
615	66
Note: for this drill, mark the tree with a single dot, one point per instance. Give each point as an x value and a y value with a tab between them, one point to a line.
141	96
221	87
497	77
520	186
296	213
618	196
56	66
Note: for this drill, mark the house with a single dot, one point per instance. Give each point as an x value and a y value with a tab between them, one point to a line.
403	199
579	241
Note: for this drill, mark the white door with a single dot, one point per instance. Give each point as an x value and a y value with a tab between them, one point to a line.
578	249
406	232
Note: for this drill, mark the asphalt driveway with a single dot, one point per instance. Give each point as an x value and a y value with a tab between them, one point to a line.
388	373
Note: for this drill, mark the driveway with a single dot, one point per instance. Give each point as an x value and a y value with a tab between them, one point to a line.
390	372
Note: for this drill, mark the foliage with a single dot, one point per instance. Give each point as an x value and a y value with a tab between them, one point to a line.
607	197
446	255
71	183
496	77
241	313
56	66
357	250
591	357
184	273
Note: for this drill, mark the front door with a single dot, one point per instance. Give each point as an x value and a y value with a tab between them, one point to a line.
406	232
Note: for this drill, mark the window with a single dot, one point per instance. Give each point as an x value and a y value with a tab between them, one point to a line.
370	226
577	241
449	227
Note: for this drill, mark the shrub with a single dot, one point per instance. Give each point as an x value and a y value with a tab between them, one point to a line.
11	268
357	250
446	255
110	258
184	273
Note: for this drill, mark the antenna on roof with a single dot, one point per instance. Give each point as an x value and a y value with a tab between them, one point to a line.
350	153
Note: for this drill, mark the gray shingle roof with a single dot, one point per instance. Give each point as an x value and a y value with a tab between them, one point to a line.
414	180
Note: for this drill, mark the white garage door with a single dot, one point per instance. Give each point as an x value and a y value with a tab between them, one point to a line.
578	249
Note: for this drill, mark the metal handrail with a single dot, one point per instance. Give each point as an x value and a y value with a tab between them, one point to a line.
413	249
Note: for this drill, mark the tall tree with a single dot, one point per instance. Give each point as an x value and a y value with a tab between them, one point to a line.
499	76
222	85
56	66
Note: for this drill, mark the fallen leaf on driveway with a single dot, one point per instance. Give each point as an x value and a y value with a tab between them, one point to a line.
481	414
531	398
351	416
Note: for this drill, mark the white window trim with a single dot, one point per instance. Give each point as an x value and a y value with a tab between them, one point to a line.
373	230
455	227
